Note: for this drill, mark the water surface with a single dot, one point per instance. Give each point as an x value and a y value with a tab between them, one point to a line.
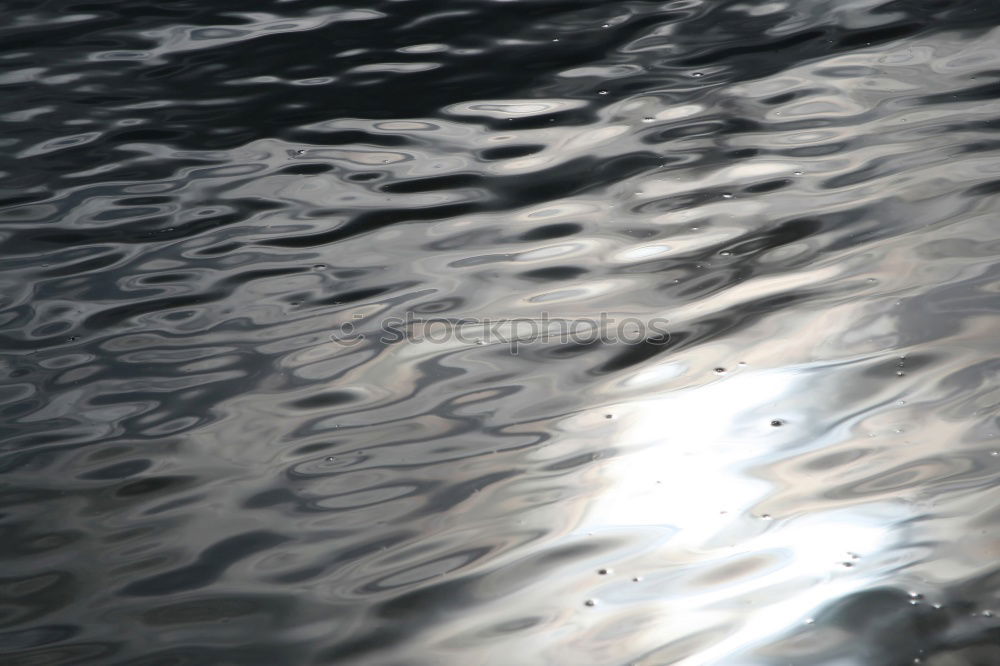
211	454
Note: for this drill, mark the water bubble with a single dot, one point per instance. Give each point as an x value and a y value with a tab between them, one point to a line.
847	565
697	75
636	579
727	195
609	416
777	423
590	602
987	613
900	373
331	458
765	516
602	92
797	173
995	453
606	25
604	571
810	620
720	371
648	119
319	267
726	253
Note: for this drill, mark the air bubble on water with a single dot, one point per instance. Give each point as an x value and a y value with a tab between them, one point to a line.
777	423
742	364
937	606
720	371
765	516
604	571
636	579
798	173
609	416
590	602
987	613
606	25
995	453
847	565
602	92
727	195
810	620
648	119
726	253
900	373
319	267
697	75
331	459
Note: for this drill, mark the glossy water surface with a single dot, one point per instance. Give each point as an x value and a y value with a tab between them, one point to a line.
210	455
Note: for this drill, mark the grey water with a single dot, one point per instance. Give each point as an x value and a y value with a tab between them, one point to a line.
500	333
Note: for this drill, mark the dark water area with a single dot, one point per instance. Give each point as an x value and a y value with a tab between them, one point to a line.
778	221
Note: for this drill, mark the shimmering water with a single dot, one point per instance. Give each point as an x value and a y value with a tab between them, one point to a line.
211	452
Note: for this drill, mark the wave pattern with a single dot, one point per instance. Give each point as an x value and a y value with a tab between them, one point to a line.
197	199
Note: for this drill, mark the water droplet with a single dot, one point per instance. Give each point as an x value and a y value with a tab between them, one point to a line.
719	371
727	195
606	25
331	458
798	173
726	253
602	92
604	571
590	602
697	75
777	423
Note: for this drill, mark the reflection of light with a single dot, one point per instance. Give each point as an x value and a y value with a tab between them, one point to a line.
684	451
684	483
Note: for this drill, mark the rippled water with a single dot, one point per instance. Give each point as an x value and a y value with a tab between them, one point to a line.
212	454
